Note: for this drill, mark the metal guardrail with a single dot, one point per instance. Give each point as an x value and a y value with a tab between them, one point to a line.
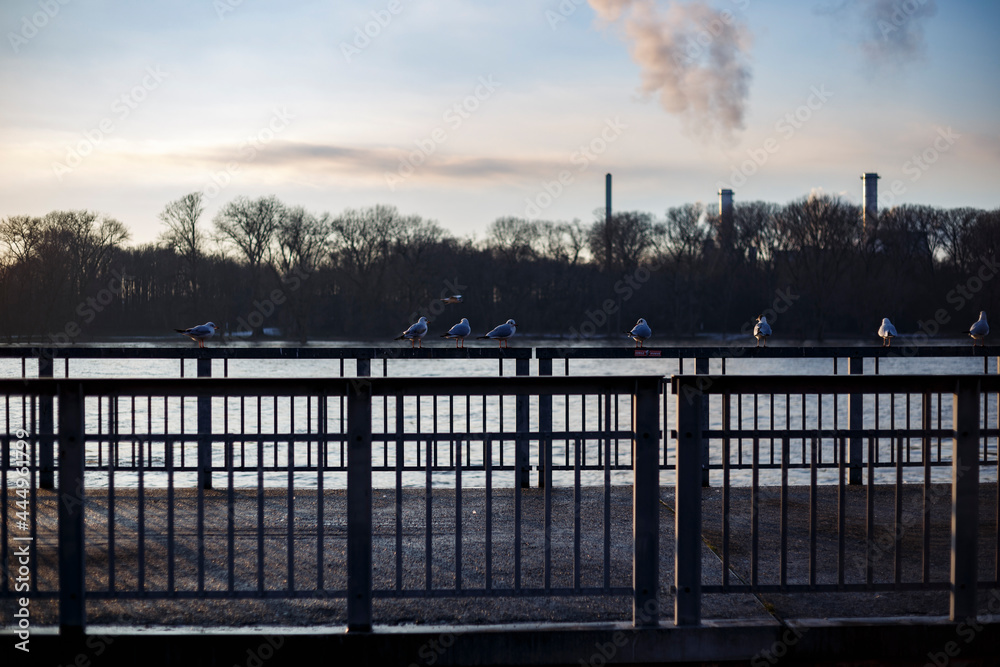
148	533
970	441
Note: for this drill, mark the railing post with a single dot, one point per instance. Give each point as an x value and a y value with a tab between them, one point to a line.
359	506
522	444
204	429
646	503
544	420
364	367
855	422
687	506
72	608
701	368
46	431
964	499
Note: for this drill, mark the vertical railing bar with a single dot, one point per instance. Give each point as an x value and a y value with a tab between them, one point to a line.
870	504
842	471
70	508
687	505
322	451
400	447
488	463
898	525
577	505
428	511
290	454
111	499
816	446
726	454
359	507
229	447
925	550
607	514
965	499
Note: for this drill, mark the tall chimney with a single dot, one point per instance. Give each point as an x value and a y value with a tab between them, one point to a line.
869	202
725	219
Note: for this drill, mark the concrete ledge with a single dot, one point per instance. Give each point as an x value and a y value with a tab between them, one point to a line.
882	641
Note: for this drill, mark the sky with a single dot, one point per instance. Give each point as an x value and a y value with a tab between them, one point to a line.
464	112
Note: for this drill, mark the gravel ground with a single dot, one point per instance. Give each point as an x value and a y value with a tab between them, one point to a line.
273	568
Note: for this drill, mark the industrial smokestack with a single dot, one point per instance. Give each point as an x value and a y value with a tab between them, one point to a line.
869	202
725	218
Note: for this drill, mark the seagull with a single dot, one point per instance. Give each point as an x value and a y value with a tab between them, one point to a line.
454	298
761	330
640	332
199	333
979	330
415	332
459	332
502	332
886	331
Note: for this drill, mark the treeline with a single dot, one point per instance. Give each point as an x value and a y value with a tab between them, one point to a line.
262	265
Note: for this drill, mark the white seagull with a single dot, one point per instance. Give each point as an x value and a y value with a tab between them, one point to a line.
886	331
415	332
640	332
199	333
454	298
979	330
761	330
502	332
459	332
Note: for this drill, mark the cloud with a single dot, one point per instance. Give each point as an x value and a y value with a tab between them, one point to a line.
693	57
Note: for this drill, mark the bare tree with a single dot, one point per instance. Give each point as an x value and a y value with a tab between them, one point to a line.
183	236
620	245
514	239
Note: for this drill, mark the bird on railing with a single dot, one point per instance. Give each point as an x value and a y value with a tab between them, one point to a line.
459	332
415	332
761	330
502	332
200	333
887	332
640	332
979	330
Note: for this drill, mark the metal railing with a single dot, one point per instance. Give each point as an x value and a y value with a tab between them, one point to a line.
845	409
132	519
902	562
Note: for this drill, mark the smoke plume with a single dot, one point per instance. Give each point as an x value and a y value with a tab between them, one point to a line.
694	57
896	31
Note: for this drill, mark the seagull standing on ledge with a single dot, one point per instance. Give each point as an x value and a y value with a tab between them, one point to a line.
459	332
199	333
979	330
415	332
640	332
761	330
887	332
502	332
